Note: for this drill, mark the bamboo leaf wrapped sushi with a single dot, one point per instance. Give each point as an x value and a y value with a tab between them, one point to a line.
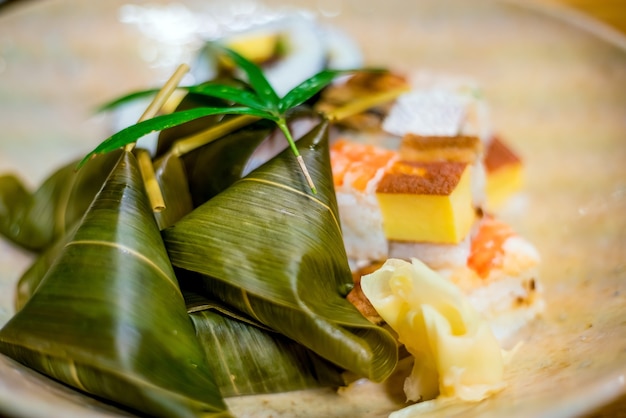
108	317
275	253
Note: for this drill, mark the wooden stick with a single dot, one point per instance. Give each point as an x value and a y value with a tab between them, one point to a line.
143	158
192	142
161	97
149	180
165	92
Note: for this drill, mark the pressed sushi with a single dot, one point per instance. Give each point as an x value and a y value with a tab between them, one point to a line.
423	183
391	208
504	173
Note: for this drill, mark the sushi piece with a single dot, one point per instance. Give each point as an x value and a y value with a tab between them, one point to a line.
501	277
377	193
415	183
504	173
458	148
362	101
357	169
440	105
393	208
426	202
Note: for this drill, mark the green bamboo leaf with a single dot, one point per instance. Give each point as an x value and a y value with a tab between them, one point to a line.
261	101
30	280
276	253
257	80
215	166
34	220
167	137
133	133
249	360
309	88
253	361
238	95
28	219
196	302
108	317
32	277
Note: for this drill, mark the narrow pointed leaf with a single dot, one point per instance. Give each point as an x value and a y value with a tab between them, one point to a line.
134	132
257	80
108	317
168	136
235	94
309	88
276	253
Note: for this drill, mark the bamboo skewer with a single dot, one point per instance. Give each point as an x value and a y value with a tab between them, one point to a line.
192	142
150	182
143	157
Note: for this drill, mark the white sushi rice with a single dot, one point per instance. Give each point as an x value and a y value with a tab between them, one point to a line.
435	256
362	226
510	296
443	105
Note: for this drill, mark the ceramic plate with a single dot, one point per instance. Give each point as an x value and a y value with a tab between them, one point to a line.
556	90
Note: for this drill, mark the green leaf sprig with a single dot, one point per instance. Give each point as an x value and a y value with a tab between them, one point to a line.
256	97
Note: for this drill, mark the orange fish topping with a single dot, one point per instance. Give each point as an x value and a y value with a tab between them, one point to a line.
486	249
357	164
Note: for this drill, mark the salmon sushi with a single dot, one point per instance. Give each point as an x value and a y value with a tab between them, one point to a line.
390	207
357	169
393	208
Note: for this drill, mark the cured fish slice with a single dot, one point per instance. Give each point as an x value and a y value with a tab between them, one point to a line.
357	169
386	205
501	278
440	105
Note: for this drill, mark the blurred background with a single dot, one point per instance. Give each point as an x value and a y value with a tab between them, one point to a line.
612	12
